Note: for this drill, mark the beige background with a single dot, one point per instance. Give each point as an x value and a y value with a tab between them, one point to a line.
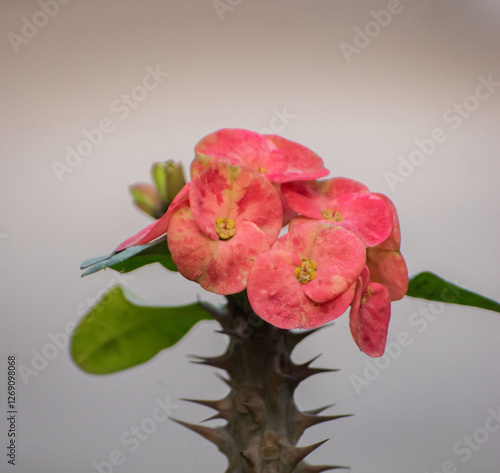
236	68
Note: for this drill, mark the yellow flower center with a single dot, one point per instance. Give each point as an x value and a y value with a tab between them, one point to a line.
367	294
225	228
306	271
328	214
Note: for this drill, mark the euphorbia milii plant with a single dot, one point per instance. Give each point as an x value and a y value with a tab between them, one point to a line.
260	224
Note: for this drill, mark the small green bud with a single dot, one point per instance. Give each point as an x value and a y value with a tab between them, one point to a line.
146	197
169	179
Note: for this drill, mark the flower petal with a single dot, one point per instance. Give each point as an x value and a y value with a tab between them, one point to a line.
388	268
369	316
393	242
301	162
238	147
288	212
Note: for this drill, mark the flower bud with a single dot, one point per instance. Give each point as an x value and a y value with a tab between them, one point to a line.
169	179
147	199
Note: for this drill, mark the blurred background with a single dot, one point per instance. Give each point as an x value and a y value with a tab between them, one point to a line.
401	95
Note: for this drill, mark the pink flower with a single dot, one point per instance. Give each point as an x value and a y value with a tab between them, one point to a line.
343	202
308	277
369	316
233	214
278	159
386	264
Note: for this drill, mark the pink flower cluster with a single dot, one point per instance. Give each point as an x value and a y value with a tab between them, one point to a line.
341	248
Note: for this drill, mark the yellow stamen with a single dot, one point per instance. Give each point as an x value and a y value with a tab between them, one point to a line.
328	214
306	271
367	294
225	228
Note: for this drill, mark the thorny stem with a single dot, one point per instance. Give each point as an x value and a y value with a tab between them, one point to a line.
263	423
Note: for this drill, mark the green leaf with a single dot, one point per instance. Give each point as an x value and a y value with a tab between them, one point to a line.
429	286
96	259
117	334
132	258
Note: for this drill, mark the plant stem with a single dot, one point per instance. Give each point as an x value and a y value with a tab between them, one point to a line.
263	422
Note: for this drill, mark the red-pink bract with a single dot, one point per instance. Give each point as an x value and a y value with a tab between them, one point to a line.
370	315
238	147
301	163
385	262
288	212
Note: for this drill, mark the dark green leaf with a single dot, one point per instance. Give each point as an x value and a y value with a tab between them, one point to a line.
117	334
429	286
132	258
